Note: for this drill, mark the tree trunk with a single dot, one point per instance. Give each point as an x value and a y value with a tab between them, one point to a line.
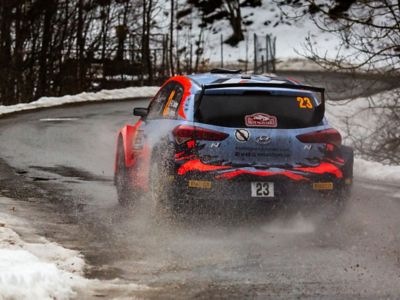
18	52
235	20
81	47
7	84
44	51
171	39
146	27
148	30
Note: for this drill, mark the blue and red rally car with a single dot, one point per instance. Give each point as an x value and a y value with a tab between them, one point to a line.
229	136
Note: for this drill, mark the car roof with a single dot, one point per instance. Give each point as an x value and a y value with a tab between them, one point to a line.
229	78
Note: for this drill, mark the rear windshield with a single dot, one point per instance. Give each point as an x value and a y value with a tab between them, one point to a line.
252	108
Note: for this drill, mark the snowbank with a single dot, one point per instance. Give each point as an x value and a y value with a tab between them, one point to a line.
132	92
300	64
376	171
45	270
41	270
357	120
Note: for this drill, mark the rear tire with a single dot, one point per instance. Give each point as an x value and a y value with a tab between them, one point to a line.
166	202
343	194
123	179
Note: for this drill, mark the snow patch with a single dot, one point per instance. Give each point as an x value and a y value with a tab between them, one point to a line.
358	119
376	171
37	270
290	42
24	276
41	269
117	94
298	64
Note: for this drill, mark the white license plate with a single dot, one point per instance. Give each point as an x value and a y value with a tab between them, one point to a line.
262	189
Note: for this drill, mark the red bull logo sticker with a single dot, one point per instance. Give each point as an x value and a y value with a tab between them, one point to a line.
261	120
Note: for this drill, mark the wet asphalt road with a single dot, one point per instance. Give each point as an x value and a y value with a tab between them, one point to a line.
63	169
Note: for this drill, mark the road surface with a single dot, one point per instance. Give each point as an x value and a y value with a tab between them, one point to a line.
58	163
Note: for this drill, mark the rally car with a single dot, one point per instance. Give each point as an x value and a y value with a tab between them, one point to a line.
227	136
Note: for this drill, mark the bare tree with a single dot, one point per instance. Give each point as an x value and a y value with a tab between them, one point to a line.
368	35
368	32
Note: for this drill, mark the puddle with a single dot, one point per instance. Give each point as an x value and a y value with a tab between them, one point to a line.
34	178
72	172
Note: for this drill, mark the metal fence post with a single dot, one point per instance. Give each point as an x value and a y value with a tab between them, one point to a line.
222	51
255	54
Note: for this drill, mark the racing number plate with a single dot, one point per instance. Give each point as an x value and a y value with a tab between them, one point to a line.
262	189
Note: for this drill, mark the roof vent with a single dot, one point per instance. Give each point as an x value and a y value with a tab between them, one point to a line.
246	76
225	71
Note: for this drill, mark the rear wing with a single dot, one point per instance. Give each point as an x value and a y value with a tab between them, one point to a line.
310	88
320	109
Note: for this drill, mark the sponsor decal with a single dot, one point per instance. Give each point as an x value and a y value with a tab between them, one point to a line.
320	186
260	120
200	184
242	135
263	140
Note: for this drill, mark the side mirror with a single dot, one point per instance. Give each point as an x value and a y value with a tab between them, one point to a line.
140	111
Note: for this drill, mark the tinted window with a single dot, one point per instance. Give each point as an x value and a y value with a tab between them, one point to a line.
252	108
174	99
159	101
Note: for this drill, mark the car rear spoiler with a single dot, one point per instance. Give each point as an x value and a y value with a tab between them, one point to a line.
320	109
266	84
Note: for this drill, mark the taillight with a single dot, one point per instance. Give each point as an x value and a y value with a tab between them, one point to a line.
327	136
184	133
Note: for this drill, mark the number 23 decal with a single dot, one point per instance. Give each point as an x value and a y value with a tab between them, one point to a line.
305	102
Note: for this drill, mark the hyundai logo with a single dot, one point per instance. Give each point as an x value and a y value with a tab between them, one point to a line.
263	140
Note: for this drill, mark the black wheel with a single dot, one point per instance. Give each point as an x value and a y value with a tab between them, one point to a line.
339	198
123	180
344	192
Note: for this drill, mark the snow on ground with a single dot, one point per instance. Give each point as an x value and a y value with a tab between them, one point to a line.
357	120
290	40
376	171
300	64
36	270
40	269
117	94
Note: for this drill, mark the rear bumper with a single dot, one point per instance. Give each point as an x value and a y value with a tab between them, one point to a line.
207	187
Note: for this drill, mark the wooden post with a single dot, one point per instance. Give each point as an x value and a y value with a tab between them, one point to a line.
247	53
191	59
262	63
222	51
255	54
273	54
267	59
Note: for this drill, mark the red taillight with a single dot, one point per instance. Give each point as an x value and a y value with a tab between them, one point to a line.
184	133
327	136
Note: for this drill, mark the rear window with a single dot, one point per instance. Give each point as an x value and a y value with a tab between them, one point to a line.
254	108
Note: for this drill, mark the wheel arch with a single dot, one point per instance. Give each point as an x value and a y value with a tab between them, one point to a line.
125	137
348	157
